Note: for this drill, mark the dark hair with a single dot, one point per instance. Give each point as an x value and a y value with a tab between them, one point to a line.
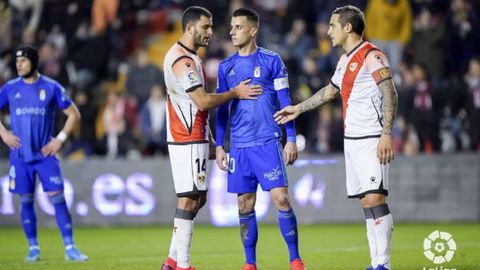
352	15
251	15
193	14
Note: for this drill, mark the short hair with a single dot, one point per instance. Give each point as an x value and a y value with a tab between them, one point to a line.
193	14
352	15
251	15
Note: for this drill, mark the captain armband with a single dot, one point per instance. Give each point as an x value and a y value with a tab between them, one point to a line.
381	75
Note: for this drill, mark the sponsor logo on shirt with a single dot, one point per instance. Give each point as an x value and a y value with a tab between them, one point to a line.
30	111
274	174
17	95
56	180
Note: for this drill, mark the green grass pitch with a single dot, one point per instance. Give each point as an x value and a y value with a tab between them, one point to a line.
322	247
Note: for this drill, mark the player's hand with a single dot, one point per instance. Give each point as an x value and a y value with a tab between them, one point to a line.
211	149
11	140
385	149
222	160
287	114
290	153
245	91
52	147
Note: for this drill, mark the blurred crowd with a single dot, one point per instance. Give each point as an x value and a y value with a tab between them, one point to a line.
108	54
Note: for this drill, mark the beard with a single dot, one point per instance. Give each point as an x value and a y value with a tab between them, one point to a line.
197	40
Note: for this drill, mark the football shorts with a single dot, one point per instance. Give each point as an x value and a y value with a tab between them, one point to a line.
189	164
364	172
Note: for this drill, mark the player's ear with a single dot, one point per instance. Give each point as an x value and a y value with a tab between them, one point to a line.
190	28
348	27
254	31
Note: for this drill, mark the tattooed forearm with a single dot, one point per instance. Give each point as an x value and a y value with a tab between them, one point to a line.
390	101
322	96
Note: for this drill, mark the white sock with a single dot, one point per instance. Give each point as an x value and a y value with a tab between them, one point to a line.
372	242
172	252
183	241
383	235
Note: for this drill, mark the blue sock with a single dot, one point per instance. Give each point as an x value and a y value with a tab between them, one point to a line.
29	220
288	227
249	235
64	220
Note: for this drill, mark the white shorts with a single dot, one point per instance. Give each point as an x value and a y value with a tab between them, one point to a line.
364	172
189	164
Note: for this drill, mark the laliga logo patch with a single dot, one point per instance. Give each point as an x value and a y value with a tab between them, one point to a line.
256	72
42	94
353	66
192	77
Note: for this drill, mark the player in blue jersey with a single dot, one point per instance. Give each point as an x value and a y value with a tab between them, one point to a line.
33	99
256	155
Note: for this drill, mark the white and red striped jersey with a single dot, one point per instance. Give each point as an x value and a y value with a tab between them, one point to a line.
184	72
357	75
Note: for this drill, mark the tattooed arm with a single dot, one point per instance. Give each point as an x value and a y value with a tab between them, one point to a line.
390	100
323	95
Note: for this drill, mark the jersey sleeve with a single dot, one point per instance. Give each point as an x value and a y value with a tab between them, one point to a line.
63	100
185	71
222	112
279	74
377	64
281	86
3	96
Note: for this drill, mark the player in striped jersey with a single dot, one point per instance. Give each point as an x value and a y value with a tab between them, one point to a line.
187	127
369	99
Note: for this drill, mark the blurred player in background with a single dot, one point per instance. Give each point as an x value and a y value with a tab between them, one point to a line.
33	99
369	98
187	123
256	155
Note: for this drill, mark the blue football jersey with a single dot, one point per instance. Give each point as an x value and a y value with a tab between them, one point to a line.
251	121
32	113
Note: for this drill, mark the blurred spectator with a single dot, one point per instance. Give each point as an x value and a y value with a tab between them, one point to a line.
142	76
389	27
26	19
153	122
472	79
104	14
463	28
52	62
297	42
5	25
118	120
423	114
428	42
82	141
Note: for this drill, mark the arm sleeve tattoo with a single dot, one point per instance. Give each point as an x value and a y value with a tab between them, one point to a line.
390	101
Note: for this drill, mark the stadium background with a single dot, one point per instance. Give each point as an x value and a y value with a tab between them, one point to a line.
109	54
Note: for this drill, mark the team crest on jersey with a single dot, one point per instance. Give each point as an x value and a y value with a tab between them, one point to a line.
192	77
353	66
256	72
385	73
42	94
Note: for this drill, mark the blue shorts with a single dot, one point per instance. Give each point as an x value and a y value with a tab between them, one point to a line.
253	165
23	174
